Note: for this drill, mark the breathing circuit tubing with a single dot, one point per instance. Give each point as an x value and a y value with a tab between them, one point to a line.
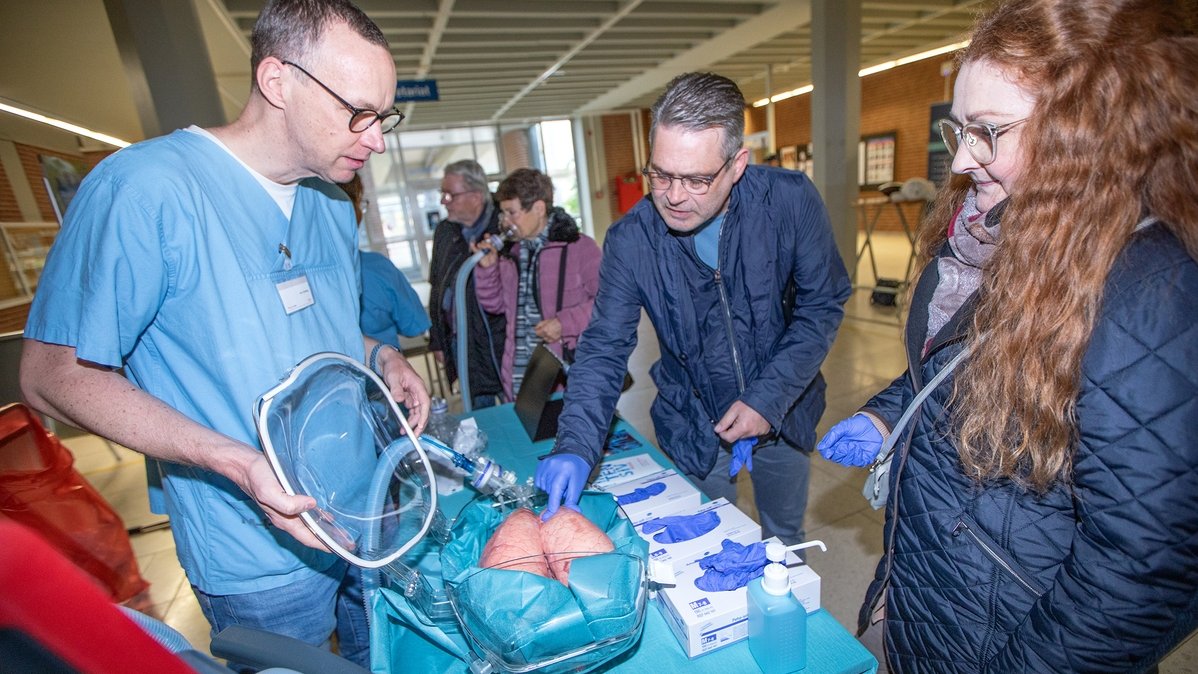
459	301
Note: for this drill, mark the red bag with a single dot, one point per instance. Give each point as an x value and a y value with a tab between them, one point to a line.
40	488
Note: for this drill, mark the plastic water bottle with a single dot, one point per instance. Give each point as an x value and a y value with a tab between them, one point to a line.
468	440
777	619
441	424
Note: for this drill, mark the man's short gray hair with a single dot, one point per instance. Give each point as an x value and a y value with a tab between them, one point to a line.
701	101
287	29
472	174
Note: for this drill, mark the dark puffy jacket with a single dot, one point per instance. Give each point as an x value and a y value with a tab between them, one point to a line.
784	287
485	332
1100	575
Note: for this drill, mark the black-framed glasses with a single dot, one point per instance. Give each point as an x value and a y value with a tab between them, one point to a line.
980	138
696	185
360	118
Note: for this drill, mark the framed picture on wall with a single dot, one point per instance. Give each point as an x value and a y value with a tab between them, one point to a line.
875	159
939	159
788	157
805	161
61	178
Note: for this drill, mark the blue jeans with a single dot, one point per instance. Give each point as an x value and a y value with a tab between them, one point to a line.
309	610
483	401
779	487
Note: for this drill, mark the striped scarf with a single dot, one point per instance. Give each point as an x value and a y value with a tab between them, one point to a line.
528	312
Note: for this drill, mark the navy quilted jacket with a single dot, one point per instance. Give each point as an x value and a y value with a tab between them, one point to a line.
783	287
1099	576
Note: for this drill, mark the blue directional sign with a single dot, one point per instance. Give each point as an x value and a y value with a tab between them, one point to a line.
415	90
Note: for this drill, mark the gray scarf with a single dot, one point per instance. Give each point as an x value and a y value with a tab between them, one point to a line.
973	240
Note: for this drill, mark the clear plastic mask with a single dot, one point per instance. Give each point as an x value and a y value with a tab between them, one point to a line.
331	431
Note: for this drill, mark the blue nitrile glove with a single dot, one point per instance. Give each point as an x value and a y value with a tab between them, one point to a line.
678	528
732	567
641	493
742	455
715	581
735	557
562	477
852	442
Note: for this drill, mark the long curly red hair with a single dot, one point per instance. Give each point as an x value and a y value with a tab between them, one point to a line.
1113	137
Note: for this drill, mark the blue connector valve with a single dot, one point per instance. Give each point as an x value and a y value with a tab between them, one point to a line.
484	474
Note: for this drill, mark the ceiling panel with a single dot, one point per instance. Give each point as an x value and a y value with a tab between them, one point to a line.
501	60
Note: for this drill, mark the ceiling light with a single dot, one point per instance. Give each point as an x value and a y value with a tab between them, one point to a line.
66	126
948	48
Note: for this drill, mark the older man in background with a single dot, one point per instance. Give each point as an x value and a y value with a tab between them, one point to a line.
472	214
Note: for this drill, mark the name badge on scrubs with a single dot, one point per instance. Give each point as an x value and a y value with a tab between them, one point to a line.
296	294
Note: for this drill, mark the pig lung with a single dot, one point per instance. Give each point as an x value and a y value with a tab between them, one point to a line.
524	543
518	538
568	535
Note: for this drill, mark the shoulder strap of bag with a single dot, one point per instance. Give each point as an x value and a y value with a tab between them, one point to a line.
561	277
888	445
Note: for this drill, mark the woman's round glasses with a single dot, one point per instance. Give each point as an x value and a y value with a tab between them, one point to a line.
980	138
360	118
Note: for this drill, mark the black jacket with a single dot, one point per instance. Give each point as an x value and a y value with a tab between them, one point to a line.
1097	576
485	332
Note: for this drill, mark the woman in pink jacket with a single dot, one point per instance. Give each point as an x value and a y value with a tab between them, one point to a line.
544	282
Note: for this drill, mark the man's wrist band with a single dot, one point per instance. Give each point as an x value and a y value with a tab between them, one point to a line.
374	357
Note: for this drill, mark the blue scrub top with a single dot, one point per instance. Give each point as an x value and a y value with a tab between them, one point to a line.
390	306
167	265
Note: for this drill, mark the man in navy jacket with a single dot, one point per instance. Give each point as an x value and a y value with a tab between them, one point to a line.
738	270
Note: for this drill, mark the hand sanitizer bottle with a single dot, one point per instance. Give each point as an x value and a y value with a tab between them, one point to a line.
777	619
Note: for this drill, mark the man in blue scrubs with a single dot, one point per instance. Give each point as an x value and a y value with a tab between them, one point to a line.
207	263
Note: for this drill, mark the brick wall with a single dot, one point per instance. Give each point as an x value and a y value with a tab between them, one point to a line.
13	315
9	210
896	100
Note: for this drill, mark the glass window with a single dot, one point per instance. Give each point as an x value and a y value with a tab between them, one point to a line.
557	142
407	178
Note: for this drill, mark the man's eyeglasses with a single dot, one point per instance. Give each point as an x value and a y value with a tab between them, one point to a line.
980	138
450	196
696	185
361	118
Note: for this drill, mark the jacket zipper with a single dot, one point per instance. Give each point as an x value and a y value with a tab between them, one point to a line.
740	376
997	556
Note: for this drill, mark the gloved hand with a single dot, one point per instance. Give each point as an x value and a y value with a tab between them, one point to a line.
678	528
641	493
852	442
562	477
742	455
735	557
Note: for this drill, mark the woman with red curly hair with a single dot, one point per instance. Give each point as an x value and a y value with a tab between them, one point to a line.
1043	514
